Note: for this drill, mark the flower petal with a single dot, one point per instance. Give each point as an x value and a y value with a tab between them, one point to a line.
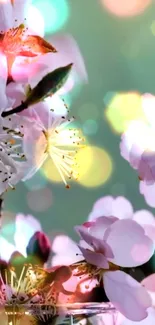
15	92
66	251
34	45
149	320
149	283
26	226
6	15
118	207
127	295
148	190
130	246
94	258
3	79
6	249
99	228
147	220
20	10
99	245
24	69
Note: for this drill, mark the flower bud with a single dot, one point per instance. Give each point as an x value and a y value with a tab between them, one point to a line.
39	247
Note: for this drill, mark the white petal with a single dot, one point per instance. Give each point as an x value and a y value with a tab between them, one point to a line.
6	249
20	10
65	250
6	15
26	226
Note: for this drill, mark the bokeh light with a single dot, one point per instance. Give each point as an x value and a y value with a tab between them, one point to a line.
37	182
88	109
95	166
92	172
50	171
118	189
54	12
125	8
122	108
35	21
90	127
40	200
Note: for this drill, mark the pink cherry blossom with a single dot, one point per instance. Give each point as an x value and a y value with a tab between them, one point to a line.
137	143
121	208
125	293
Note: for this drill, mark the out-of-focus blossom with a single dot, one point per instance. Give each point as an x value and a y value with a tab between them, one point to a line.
121	208
103	246
149	193
25	228
137	143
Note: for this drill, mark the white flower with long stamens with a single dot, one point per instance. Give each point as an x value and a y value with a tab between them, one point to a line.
51	137
20	287
12	159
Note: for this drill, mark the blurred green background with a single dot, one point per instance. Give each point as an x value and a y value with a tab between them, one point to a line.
118	50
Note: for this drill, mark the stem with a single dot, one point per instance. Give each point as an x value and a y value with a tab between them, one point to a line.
17	109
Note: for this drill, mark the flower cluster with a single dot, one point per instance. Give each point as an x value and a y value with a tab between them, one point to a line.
44	280
31	129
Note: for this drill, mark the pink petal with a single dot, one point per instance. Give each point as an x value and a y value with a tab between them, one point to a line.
146	168
102	207
97	244
144	217
68	51
94	258
118	207
28	71
130	246
3	78
148	190
149	320
122	208
127	295
100	226
147	220
149	283
15	91
66	251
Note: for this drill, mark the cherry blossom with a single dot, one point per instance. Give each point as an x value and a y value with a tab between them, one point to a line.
137	143
121	208
108	253
51	136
